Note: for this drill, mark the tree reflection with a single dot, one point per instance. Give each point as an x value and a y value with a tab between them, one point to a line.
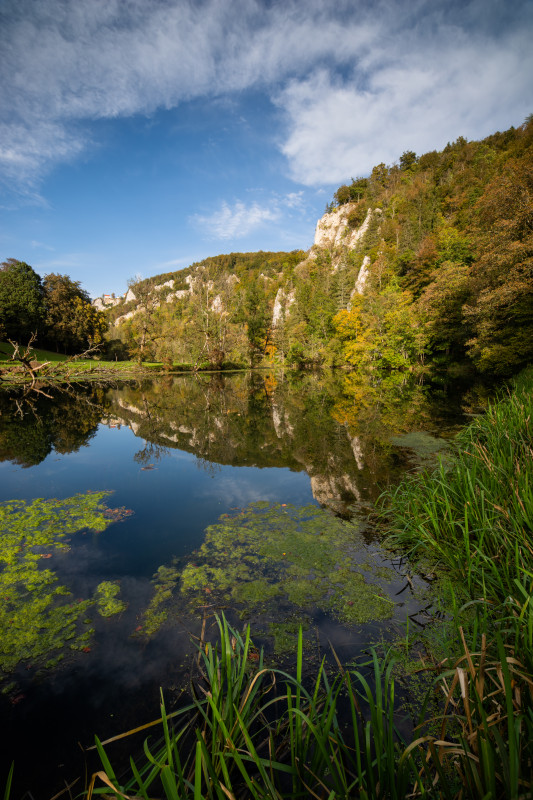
63	421
338	428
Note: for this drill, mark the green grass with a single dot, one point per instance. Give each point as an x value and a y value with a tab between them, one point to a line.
257	733
36	353
474	517
79	367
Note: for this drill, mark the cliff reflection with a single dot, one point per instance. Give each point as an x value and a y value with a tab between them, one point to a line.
333	427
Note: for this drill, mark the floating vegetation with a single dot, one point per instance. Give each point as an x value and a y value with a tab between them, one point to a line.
278	559
38	617
166	580
106	599
425	447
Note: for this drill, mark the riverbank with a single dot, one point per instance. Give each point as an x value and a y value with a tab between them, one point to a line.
45	366
469	523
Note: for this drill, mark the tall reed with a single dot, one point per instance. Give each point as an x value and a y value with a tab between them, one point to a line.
253	732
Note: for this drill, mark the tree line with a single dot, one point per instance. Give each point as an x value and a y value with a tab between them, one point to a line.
55	308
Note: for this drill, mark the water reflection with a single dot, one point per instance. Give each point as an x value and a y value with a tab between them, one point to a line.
335	428
182	452
31	427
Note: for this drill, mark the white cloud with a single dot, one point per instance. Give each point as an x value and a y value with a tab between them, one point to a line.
358	82
294	200
237	221
419	100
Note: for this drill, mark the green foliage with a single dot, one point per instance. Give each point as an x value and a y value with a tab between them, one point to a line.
258	316
72	323
473	516
476	514
353	193
21	300
225	743
381	331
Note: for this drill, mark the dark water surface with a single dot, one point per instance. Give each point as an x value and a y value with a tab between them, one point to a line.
178	454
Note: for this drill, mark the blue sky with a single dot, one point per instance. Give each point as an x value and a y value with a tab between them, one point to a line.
138	137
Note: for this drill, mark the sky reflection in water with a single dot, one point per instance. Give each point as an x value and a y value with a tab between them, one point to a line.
180	453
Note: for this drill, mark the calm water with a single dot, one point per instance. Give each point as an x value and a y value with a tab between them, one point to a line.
178	454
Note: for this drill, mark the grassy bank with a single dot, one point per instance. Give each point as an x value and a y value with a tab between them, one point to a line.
58	367
254	732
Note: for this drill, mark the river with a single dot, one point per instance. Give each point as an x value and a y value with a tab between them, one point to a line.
179	497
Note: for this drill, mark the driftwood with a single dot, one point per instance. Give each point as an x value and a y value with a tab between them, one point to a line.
33	370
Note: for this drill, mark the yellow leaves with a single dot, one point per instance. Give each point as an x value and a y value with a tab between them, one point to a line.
348	324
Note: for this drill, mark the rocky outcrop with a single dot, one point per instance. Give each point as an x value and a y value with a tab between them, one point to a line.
333	230
282	304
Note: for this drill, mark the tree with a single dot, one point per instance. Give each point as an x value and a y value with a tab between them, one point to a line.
72	322
143	326
258	319
408	161
21	300
502	277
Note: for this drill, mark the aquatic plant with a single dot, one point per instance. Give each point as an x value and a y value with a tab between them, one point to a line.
105	598
278	559
474	515
254	732
38	617
473	518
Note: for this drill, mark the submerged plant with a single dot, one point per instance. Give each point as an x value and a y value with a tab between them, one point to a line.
282	558
106	599
38	617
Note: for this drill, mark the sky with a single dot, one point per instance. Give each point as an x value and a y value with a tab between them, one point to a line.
140	136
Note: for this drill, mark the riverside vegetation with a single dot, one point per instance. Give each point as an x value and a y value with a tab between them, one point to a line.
254	731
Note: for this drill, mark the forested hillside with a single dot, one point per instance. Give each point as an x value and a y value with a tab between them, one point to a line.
425	261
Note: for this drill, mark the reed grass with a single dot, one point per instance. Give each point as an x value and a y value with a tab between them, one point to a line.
474	516
254	732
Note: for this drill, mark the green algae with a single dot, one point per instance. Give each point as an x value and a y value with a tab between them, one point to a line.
285	634
277	560
106	599
39	619
425	448
165	581
256	592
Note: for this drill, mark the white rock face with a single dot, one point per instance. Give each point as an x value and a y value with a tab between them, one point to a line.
216	305
130	295
106	301
362	278
282	305
129	315
178	294
162	285
357	451
332	230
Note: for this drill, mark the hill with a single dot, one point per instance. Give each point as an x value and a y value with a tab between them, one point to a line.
429	259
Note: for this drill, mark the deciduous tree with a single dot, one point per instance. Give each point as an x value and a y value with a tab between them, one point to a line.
21	300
